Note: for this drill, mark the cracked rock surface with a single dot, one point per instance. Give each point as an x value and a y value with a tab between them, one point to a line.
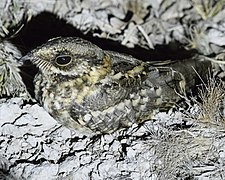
170	146
33	146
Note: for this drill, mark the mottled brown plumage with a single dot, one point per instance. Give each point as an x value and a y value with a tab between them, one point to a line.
87	88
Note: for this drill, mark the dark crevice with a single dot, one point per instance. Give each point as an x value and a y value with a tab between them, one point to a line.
47	25
28	72
124	148
128	16
180	126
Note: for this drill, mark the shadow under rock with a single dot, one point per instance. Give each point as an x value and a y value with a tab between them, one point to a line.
46	25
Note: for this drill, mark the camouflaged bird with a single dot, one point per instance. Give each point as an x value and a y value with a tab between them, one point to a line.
87	88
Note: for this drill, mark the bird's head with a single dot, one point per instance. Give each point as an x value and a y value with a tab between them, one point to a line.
66	56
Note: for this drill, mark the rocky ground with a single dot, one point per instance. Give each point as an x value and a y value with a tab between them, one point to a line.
184	143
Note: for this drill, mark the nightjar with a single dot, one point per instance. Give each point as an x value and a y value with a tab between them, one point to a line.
87	88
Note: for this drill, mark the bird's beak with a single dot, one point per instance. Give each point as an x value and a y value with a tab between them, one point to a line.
26	58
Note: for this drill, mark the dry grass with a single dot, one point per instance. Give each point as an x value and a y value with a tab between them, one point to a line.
197	36
210	107
207	8
211	101
11	83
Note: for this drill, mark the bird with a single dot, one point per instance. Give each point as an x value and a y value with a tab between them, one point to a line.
90	89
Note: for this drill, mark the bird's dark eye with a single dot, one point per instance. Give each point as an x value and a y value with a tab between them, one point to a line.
63	60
